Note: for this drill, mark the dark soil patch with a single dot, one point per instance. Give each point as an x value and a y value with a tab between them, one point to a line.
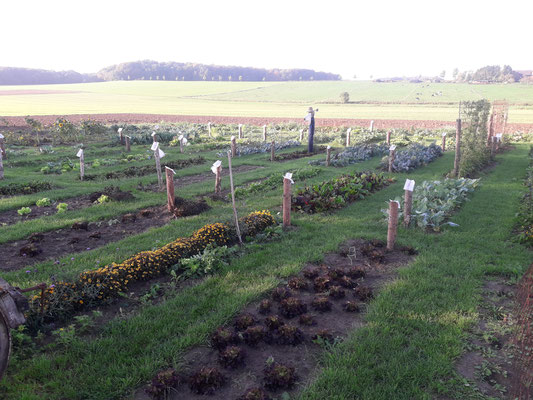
10	217
290	342
185	208
298	154
192	179
55	244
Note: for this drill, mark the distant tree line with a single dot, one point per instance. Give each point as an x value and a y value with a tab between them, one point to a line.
489	74
28	76
153	70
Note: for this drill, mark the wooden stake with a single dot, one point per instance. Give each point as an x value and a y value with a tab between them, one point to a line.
286	202
3	146
372	126
158	167
128	145
444	142
392	154
209	129
170	189
264	133
457	158
1	166
393	224
240	131
181	145
301	135
154	137
218	180
121	136
328	156
82	165
233	147
408	200
272	151
348	137
233	199
388	137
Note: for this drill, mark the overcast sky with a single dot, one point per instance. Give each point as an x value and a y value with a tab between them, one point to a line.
352	37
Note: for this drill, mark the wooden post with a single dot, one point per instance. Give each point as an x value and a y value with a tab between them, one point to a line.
181	144
457	158
154	137
121	136
233	147
301	135
128	145
240	131
388	137
372	126
392	154
444	141
170	189
348	137
264	133
1	166
209	129
286	201
393	224
218	179
82	163
3	146
233	199
272	151
408	200
328	156
158	164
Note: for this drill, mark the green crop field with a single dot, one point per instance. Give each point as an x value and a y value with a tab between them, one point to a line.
368	100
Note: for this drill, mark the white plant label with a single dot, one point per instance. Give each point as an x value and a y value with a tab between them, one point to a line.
80	153
119	130
288	175
161	154
409	185
232	138
392	148
180	138
215	166
156	127
444	134
499	136
329	147
154	147
184	141
349	130
1	136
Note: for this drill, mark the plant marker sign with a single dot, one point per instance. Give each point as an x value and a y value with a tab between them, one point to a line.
120	135
216	168
408	200
158	154
409	185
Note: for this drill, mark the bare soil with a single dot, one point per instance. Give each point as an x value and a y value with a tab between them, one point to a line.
379	266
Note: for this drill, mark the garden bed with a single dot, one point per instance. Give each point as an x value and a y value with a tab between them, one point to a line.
14	189
295	155
347	279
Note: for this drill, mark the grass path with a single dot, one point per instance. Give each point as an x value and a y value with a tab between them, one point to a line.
415	326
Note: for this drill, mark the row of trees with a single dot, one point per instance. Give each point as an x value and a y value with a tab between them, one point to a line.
490	74
28	76
153	70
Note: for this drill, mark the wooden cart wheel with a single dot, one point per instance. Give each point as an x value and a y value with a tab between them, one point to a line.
5	344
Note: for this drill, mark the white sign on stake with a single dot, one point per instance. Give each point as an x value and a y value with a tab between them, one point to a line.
153	134
349	130
393	147
499	137
409	185
80	153
444	134
180	138
232	138
156	127
170	169
184	141
329	147
154	147
1	136
119	130
215	166
161	154
288	176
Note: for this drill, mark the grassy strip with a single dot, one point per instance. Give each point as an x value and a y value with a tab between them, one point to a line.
417	325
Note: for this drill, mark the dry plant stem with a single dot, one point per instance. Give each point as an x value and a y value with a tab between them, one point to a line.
170	189
233	199
128	145
393	224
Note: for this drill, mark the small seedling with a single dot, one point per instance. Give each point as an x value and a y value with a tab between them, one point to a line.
363	293
281	293
347	282
254	334
323	336
356	273
163	383
24	211
351	306
297	283
103	199
44	202
61	208
223	337
311	273
321	284
278	375
307	320
255	394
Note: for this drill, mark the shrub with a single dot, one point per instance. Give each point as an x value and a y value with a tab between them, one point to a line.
353	155
24	188
474	151
415	156
61	208
345	97
24	211
44	202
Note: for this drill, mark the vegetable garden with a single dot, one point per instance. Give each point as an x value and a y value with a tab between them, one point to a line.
156	294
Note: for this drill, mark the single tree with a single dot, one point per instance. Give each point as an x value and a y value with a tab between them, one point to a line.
345	97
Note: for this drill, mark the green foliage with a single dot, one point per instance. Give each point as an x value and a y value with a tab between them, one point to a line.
64	130
24	211
58	167
345	97
103	199
44	202
474	151
525	211
415	156
61	208
211	260
24	188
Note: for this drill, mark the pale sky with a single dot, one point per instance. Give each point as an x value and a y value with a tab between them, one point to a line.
363	38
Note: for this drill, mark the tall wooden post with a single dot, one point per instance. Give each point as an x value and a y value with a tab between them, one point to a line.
128	145
444	141
155	147
457	158
392	155
240	131
209	129
170	189
233	199
82	163
408	200
1	166
301	135
287	200
218	179
372	126
154	137
388	137
348	137
328	156
3	146
233	147
272	151
393	224
264	133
